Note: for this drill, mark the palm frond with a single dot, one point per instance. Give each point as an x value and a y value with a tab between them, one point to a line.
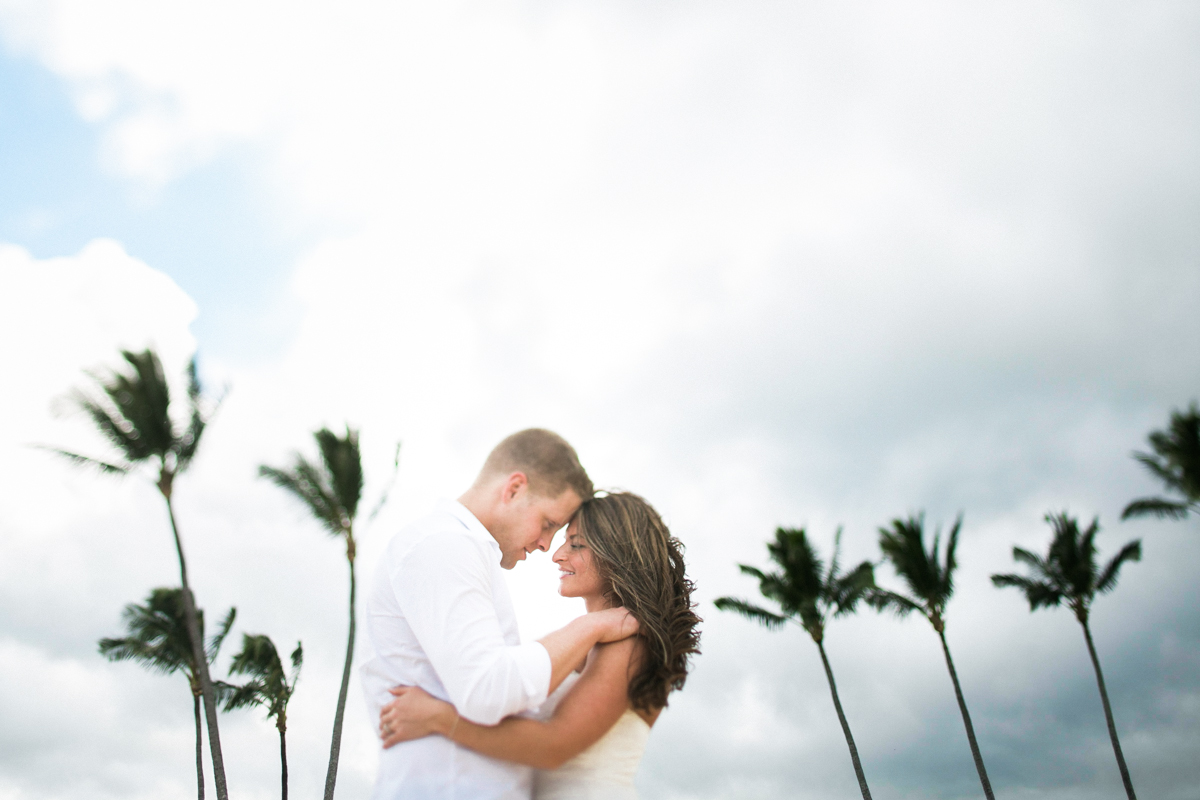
157	633
297	658
130	649
343	465
1031	559
144	400
86	461
1175	462
130	407
845	592
903	545
947	572
387	492
307	484
834	565
1158	466
754	572
269	685
214	644
1157	507
887	600
1040	594
258	657
1108	576
224	690
1068	571
798	588
187	444
285	480
750	611
248	694
113	426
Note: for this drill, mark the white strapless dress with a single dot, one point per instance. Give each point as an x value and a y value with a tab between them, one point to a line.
605	770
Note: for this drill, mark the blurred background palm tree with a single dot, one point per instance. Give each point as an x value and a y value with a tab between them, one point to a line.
132	410
331	491
931	585
1068	573
1176	462
159	640
808	595
269	686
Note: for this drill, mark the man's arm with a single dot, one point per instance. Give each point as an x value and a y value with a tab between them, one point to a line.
588	711
443	586
569	646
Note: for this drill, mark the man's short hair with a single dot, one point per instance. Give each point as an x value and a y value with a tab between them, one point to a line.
550	464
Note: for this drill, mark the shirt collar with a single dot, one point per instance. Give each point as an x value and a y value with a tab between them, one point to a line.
469	521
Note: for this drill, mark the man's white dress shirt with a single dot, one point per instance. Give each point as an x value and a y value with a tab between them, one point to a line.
439	616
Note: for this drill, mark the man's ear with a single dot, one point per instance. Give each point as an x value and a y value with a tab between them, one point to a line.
516	483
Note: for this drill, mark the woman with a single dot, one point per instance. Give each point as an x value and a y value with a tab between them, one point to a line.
588	737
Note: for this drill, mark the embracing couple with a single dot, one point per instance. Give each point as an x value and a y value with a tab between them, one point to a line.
464	709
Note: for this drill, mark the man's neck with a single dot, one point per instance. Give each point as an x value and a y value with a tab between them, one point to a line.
473	501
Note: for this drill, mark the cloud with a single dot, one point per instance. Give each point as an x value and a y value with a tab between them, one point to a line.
772	265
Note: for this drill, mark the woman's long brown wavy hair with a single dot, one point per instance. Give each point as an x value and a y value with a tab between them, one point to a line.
642	566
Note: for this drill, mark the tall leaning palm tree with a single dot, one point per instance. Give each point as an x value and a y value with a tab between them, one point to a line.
158	639
331	490
808	594
1068	574
269	686
1176	462
931	584
132	410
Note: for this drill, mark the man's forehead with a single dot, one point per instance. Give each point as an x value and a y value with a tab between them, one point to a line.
565	505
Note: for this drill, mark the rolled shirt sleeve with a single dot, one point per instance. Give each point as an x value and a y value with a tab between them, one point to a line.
444	585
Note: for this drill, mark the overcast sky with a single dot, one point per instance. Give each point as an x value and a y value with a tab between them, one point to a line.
764	263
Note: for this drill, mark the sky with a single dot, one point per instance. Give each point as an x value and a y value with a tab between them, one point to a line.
799	264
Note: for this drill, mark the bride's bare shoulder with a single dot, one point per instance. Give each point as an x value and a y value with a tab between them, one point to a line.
619	661
623	653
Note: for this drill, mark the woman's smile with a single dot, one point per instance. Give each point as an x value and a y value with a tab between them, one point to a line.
577	577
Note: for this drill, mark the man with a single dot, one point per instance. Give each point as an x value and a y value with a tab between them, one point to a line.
439	616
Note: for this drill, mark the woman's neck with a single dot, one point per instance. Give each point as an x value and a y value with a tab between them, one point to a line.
596	602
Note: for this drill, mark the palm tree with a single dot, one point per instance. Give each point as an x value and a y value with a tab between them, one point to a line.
269	686
1068	574
930	584
1176	462
332	491
809	595
159	640
133	412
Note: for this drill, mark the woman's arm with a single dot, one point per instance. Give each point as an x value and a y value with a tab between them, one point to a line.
593	705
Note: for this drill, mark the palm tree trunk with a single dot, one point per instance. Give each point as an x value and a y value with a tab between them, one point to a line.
336	747
962	706
837	704
199	748
283	759
1108	715
206	687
